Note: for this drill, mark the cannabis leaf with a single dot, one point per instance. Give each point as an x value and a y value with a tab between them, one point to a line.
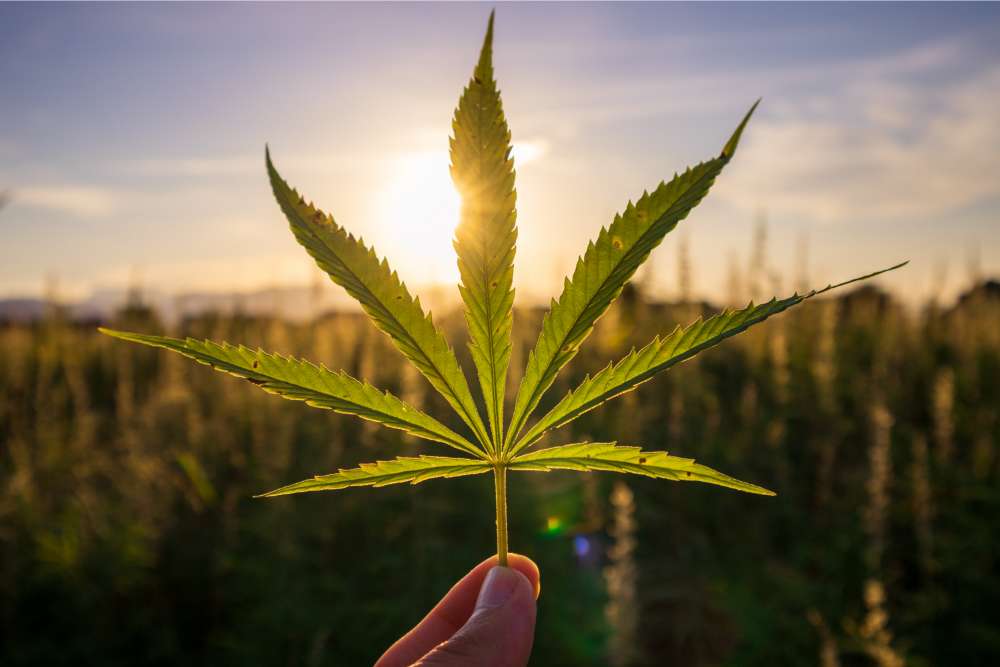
612	457
638	366
304	381
378	289
483	172
382	473
602	272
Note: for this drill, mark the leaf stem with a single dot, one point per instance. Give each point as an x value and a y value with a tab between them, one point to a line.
500	483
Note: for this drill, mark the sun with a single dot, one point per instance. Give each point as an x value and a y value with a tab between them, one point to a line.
419	210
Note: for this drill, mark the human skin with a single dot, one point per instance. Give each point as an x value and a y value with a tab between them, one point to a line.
487	619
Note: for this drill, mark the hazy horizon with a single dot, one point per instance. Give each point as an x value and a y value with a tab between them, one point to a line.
131	138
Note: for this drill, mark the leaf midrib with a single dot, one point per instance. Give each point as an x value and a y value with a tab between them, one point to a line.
494	370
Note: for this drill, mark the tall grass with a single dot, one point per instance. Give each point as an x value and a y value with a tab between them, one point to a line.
127	531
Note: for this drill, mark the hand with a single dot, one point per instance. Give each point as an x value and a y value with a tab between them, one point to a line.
486	620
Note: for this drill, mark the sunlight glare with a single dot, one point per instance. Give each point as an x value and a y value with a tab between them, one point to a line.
419	211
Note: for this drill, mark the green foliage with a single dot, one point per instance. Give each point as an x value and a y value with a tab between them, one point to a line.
111	544
641	365
378	289
483	172
304	381
604	269
612	457
382	473
482	169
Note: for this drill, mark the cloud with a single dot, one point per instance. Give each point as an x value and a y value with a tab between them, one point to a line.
212	273
199	166
81	201
250	165
880	147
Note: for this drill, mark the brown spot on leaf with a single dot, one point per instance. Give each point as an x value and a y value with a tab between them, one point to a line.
642	459
688	474
256	364
616	243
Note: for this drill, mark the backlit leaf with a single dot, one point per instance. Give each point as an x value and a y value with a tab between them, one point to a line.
483	172
641	365
602	272
382	473
304	381
611	457
356	268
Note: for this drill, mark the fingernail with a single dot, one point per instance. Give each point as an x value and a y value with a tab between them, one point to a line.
499	585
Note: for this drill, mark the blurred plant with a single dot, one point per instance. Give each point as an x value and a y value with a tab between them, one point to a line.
621	577
483	172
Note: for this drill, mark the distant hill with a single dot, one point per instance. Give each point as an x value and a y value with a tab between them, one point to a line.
294	303
300	303
21	310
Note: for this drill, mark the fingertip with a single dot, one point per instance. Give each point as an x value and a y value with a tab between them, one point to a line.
445	622
502	586
501	629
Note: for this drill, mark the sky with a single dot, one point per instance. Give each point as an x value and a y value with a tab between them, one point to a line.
132	139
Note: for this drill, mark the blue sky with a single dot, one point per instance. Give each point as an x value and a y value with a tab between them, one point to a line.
132	136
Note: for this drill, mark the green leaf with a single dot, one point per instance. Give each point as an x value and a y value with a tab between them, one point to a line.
638	366
303	381
604	269
483	172
611	457
382	473
641	365
357	269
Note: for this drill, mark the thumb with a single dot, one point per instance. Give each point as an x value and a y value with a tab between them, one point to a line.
501	629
